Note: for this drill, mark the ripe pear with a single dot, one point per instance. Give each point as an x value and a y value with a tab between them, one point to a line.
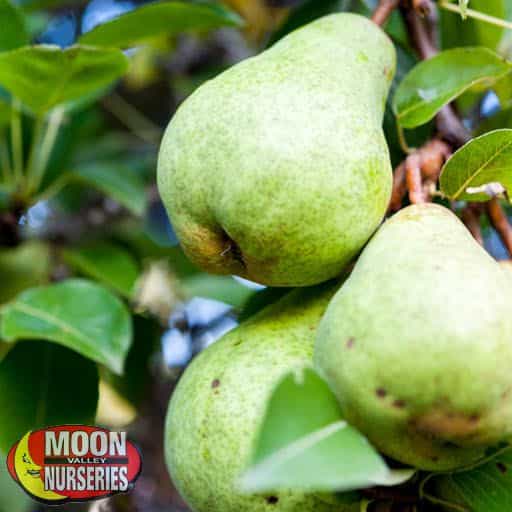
218	406
417	344
278	170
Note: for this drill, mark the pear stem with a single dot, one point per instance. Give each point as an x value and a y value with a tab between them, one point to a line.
383	11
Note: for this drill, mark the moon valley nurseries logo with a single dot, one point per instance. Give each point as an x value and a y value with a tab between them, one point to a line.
56	465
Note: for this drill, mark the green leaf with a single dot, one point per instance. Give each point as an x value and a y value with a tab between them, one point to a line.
43	77
133	384
159	18
486	488
483	162
456	31
118	182
44	384
223	288
107	263
14	30
76	313
23	267
305	444
435	82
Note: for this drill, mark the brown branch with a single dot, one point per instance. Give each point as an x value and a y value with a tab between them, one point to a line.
448	124
425	163
399	188
384	10
471	217
500	223
413	178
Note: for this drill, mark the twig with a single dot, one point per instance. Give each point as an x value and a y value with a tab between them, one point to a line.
384	10
424	163
500	222
448	124
471	217
399	188
16	141
413	178
47	144
137	122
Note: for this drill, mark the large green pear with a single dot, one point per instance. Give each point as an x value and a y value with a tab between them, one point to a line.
278	170
217	409
417	344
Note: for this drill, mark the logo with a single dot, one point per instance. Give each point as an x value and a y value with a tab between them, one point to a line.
67	463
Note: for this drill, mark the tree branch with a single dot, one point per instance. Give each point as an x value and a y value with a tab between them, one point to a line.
384	10
448	124
500	222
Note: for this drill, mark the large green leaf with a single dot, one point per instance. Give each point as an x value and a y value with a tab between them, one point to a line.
159	18
486	488
435	82
106	262
456	31
23	267
118	182
14	30
305	444
45	76
77	313
484	162
44	384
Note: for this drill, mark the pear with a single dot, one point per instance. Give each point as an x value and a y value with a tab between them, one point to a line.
218	406
417	344
278	170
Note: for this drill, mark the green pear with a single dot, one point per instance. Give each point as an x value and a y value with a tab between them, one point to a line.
278	170
218	406
417	344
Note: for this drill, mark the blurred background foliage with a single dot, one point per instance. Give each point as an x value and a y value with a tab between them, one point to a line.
92	210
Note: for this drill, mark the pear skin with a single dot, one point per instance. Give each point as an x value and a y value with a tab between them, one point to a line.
218	406
277	170
426	373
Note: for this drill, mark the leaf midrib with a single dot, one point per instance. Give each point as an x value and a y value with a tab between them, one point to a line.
481	169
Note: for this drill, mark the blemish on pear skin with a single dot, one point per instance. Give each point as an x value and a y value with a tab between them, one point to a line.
272	500
399	404
350	343
381	393
215	383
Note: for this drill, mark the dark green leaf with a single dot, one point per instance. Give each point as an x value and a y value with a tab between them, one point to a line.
44	384
159	18
23	267
45	76
305	444
14	31
118	182
435	82
133	384
486	488
481	163
77	313
107	263
456	31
